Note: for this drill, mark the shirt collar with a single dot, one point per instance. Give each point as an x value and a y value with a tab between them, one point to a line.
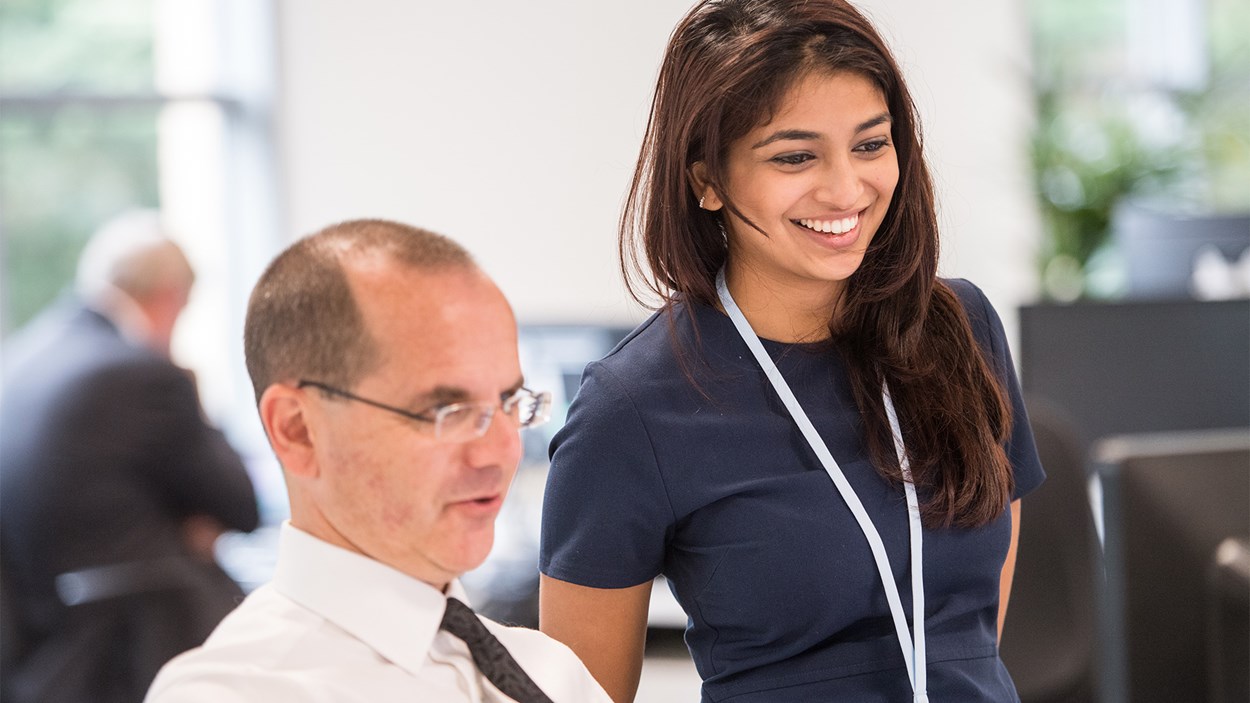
392	612
124	312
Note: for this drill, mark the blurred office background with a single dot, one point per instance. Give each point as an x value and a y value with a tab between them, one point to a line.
1092	160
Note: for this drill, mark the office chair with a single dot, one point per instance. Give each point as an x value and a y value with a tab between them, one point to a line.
1049	637
1228	622
120	624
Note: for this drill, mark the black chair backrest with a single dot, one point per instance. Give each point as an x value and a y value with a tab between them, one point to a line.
12	637
1050	636
1132	366
1228	622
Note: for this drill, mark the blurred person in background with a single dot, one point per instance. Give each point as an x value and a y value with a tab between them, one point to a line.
387	377
113	487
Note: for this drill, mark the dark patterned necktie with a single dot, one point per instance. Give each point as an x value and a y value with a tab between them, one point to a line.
491	657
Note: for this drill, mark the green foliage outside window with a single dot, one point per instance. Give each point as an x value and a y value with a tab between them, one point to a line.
62	174
103	46
69	158
1101	138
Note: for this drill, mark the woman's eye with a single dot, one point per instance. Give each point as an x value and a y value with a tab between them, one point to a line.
792	159
873	146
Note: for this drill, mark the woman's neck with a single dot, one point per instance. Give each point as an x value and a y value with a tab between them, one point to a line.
783	311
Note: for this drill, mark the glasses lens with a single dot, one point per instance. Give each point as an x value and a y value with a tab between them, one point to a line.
456	422
523	405
529	408
539	409
462	422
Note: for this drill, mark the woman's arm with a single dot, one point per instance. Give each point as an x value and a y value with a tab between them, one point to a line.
606	627
1009	568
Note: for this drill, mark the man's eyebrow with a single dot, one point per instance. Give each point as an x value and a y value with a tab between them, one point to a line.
446	395
806	135
520	382
441	395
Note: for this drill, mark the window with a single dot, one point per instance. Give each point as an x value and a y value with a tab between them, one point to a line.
78	136
112	104
1142	99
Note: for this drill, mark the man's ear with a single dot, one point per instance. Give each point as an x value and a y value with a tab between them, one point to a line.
702	187
284	413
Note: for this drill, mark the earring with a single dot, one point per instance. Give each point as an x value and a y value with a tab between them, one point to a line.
701	202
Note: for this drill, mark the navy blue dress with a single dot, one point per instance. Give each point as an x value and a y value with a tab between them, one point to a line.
716	489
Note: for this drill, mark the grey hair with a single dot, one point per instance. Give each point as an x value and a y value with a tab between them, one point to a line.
132	253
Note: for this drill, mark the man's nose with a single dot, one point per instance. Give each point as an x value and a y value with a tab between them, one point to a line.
499	444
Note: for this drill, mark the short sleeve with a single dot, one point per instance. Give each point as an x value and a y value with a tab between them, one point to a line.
606	513
1021	451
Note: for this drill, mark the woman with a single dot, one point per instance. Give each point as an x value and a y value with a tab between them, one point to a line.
817	441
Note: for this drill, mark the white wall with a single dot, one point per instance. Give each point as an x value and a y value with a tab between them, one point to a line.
513	128
967	65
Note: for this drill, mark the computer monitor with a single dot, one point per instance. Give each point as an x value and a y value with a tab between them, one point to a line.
1161	247
1169	501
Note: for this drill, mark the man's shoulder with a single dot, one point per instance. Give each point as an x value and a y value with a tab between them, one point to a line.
273	649
250	652
68	345
552	665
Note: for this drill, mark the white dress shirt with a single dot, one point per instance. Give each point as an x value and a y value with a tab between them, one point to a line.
334	625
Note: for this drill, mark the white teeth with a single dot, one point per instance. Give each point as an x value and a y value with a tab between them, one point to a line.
841	226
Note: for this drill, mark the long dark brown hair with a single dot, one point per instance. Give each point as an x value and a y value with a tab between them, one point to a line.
726	69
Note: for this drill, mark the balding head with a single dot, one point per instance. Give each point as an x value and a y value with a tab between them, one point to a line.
302	319
131	253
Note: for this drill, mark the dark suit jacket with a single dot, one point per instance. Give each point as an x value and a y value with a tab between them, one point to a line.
103	454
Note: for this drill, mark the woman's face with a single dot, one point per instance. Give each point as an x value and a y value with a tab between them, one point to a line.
817	178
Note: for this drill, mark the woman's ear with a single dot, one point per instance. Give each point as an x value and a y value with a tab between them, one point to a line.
284	414
702	187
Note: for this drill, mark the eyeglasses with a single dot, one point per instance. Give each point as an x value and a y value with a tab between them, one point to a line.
461	422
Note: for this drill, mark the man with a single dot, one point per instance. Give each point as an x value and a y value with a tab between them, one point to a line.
113	486
387	378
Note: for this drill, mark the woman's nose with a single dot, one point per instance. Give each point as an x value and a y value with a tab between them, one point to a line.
840	185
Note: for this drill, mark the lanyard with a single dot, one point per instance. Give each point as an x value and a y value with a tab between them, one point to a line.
914	650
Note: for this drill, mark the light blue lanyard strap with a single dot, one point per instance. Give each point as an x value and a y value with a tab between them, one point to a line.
914	650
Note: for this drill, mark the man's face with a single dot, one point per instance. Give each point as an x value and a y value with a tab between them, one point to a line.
386	487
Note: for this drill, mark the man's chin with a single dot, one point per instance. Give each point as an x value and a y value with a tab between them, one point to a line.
470	551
